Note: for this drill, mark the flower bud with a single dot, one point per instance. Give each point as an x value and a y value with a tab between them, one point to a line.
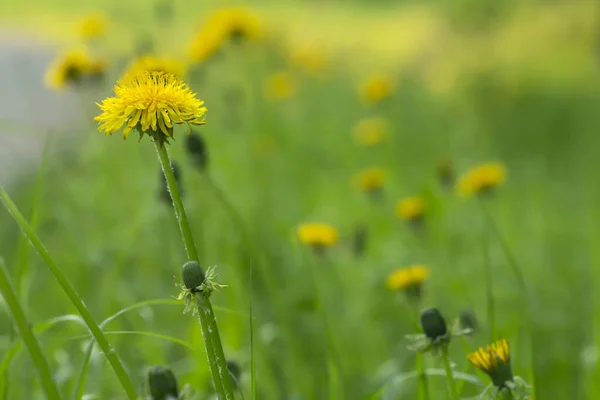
467	320
433	323
192	275
162	384
197	150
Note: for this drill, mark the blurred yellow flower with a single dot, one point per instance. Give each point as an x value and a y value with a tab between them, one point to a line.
224	25
318	234
92	26
481	178
73	67
375	89
308	58
150	102
494	360
411	208
370	131
409	277
280	85
371	179
156	64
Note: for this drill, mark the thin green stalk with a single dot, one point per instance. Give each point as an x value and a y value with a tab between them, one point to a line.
423	381
95	330
35	351
252	353
489	287
449	374
206	316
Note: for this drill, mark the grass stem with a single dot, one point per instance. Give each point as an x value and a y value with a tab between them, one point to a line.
449	374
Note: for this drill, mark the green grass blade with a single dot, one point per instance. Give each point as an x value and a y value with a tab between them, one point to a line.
22	246
39	360
95	330
4	368
252	355
148	334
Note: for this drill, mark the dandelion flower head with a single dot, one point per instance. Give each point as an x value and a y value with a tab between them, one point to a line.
156	64
280	85
410	208
371	179
73	67
93	26
481	178
376	88
150	102
318	234
405	278
494	360
371	131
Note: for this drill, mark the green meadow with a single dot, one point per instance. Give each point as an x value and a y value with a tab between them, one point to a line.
516	83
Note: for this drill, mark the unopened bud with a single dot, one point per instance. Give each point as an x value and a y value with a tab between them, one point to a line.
433	323
162	384
197	150
192	275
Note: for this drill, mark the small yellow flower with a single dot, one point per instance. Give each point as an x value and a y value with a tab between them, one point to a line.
280	85
371	179
494	360
150	102
156	64
318	235
224	25
411	208
371	131
308	58
375	89
92	26
73	67
409	277
481	178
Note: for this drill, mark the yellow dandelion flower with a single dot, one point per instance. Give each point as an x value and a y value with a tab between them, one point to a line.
375	89
156	64
481	178
411	208
318	235
308	58
73	67
409	280
494	360
92	26
280	85
227	24
150	102
371	131
371	179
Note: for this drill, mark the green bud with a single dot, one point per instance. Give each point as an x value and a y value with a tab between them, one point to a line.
192	275
197	150
467	320
433	323
162	384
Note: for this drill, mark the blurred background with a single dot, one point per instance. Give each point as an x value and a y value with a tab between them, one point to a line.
303	96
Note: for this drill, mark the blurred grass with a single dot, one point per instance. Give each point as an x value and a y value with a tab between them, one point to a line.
525	92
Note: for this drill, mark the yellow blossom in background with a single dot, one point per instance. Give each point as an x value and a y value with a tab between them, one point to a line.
494	360
318	234
308	58
156	64
92	26
73	67
371	131
150	102
371	179
411	208
375	89
280	85
481	178
409	277
223	26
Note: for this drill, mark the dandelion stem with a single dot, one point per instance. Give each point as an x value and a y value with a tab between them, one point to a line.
69	290
206	315
423	381
449	373
489	288
39	360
